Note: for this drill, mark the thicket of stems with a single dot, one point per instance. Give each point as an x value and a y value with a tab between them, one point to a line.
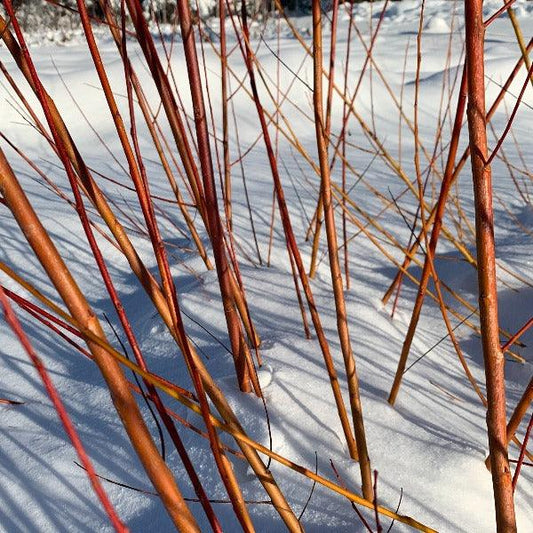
195	154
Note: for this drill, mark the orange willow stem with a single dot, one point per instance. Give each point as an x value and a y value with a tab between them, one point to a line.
322	135
292	246
70	430
327	130
520	38
488	296
118	386
520	411
435	233
65	284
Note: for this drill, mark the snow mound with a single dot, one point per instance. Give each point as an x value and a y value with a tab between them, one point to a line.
437	24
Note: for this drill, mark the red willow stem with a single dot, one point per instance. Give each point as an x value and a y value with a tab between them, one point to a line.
70	430
488	295
342	137
511	118
225	114
36	310
50	321
518	334
506	6
241	354
522	452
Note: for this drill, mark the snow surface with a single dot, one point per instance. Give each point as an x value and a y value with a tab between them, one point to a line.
432	444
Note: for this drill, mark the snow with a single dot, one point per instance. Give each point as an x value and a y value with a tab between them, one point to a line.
437	25
431	446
